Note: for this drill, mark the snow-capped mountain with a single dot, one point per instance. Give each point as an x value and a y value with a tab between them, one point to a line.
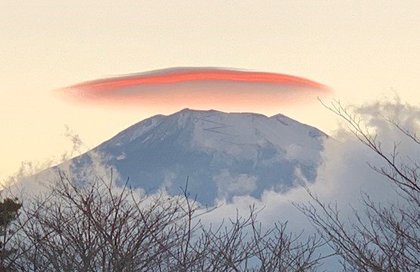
222	154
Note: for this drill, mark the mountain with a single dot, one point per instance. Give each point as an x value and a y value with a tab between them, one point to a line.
222	154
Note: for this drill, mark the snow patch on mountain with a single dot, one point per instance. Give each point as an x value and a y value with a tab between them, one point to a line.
221	154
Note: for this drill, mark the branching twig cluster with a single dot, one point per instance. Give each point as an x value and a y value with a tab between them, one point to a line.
99	227
383	237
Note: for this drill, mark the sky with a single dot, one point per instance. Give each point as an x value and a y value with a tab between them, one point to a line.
362	50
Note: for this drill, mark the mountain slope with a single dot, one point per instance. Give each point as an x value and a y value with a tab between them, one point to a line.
222	154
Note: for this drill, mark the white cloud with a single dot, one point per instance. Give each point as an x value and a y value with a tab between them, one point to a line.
345	173
228	184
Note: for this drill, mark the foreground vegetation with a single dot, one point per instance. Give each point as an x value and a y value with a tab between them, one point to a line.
99	228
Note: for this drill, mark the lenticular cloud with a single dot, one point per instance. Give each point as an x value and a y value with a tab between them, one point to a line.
198	87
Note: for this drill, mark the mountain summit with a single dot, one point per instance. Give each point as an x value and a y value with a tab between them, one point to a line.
222	154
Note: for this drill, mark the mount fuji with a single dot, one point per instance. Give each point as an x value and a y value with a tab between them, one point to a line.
221	154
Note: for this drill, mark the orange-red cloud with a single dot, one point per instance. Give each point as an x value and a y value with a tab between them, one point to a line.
199	88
